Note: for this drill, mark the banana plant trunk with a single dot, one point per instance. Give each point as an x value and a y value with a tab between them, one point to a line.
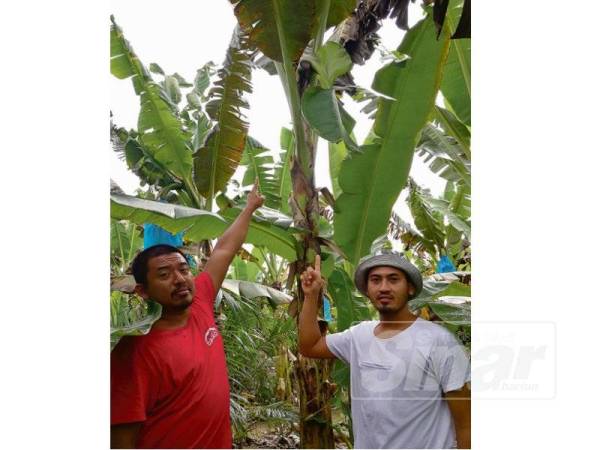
315	390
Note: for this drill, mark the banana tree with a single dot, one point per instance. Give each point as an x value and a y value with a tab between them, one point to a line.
370	176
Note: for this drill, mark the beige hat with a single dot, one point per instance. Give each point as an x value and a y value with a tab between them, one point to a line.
391	259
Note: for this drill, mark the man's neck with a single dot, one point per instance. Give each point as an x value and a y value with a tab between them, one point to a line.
398	320
172	319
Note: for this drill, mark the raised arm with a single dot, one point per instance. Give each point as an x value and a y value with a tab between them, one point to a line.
232	239
312	343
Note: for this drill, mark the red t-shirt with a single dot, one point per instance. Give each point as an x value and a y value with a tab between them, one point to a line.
175	381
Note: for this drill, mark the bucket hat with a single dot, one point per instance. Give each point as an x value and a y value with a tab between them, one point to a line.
391	259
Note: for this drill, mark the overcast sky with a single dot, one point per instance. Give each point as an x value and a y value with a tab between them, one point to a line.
187	34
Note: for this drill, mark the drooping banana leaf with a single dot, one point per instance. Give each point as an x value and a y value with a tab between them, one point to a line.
447	156
372	180
460	202
160	131
200	225
216	161
278	27
130	320
434	294
253	290
455	128
456	82
454	220
259	164
428	222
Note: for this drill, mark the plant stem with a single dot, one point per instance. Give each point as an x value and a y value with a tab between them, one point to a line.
325	5
294	97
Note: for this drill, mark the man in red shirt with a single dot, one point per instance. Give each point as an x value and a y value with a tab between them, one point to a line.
169	388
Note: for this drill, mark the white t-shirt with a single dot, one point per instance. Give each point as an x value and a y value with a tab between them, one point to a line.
397	384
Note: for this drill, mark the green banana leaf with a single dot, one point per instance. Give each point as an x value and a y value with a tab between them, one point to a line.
217	160
160	131
270	229
244	270
339	10
349	307
200	225
330	62
454	220
259	164
127	320
456	83
125	241
337	153
455	128
283	177
372	180
322	110
429	224
447	155
278	27
436	294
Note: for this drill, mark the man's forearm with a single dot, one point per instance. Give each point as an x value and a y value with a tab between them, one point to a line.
463	437
233	238
308	327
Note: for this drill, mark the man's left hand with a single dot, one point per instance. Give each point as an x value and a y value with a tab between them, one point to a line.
255	200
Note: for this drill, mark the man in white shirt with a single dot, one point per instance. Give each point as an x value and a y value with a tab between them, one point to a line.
409	377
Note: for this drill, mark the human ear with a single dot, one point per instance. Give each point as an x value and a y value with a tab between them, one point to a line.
141	291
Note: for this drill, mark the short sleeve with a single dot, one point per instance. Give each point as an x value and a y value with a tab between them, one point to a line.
205	290
340	344
451	362
131	395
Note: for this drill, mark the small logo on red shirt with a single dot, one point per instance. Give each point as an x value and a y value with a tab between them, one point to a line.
210	335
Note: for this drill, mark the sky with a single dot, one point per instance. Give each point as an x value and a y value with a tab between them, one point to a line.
194	36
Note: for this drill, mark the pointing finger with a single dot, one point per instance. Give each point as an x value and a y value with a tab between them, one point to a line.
318	263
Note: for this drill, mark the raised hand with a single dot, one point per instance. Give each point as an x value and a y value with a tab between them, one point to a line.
311	279
255	200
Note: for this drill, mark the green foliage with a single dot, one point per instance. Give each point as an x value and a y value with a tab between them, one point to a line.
125	241
216	161
278	28
259	164
323	111
339	10
330	62
350	308
159	129
253	333
283	179
130	316
372	180
201	225
456	84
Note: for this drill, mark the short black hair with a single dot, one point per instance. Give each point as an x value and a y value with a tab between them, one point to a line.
139	266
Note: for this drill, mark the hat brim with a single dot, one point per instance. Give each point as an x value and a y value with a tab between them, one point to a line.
389	260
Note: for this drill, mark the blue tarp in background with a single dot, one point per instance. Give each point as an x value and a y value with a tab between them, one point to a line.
154	235
445	265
